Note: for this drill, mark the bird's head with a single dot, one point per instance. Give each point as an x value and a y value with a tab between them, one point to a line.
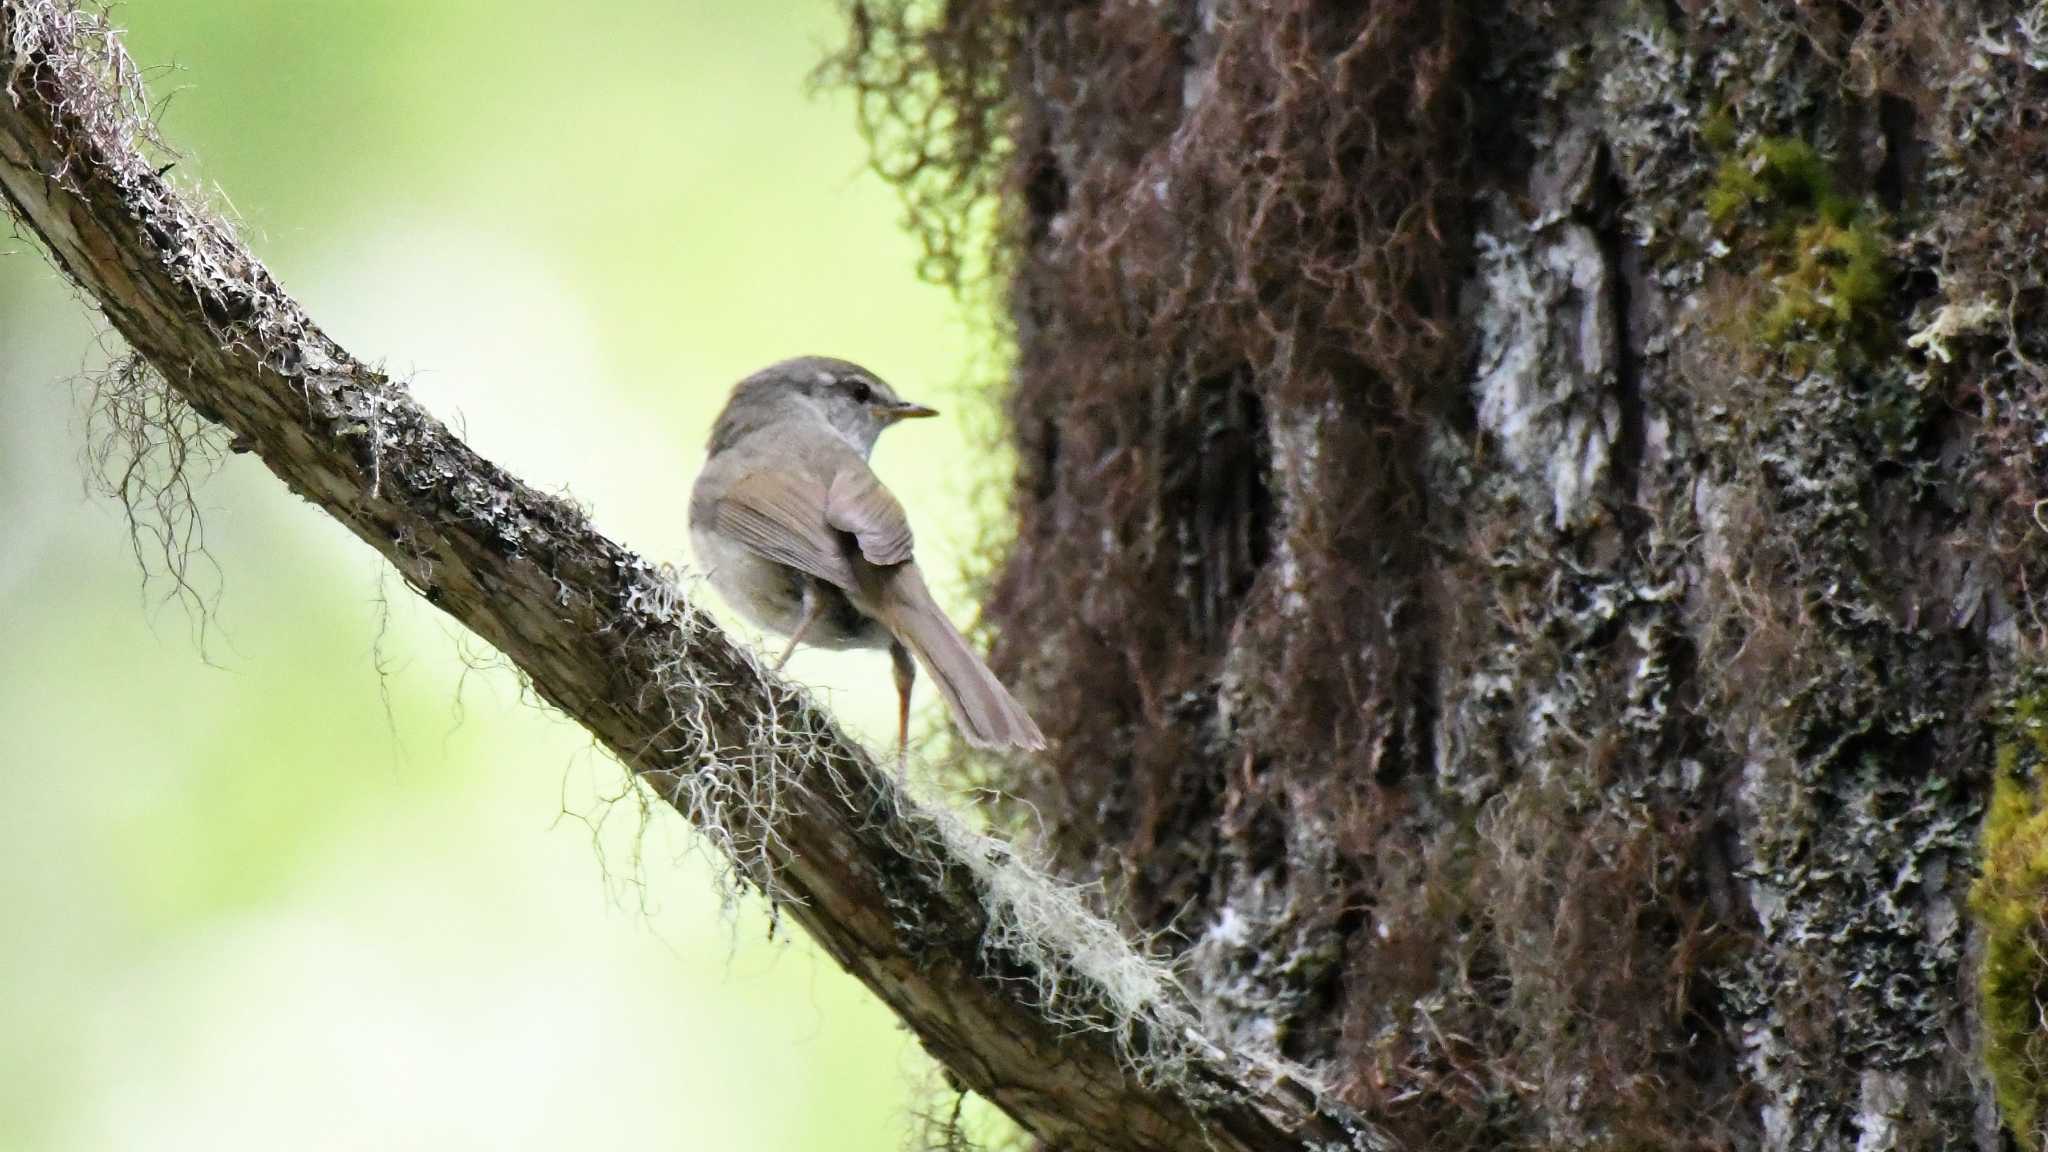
855	402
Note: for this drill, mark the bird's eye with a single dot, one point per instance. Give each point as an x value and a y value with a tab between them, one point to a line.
860	391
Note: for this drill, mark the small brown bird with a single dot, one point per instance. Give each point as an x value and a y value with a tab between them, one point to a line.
799	534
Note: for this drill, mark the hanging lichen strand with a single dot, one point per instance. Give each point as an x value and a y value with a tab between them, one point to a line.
1523	512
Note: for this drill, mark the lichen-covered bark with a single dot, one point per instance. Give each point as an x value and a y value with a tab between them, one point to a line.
1023	996
1528	514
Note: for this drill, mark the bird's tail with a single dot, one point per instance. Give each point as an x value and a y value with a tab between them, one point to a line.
985	712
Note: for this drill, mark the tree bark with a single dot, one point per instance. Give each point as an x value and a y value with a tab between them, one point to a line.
1005	979
1594	451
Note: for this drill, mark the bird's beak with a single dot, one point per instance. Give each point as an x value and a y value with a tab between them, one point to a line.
910	412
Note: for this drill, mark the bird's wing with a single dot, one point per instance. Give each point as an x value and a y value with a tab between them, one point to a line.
782	515
858	504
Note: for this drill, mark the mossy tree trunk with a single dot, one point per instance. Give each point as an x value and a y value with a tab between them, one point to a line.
1528	529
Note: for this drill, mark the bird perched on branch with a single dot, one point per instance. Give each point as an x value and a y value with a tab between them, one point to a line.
799	534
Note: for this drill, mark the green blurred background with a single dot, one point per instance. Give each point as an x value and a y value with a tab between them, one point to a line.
258	896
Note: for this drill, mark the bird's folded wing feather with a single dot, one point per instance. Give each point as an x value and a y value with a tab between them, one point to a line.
857	503
782	516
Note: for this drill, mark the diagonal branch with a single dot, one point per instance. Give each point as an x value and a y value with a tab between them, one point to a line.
1023	995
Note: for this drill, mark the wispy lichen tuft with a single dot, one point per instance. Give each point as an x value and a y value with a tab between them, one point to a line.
149	451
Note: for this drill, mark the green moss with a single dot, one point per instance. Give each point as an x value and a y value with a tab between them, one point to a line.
1734	189
1826	255
1832	284
1718	130
2010	904
1786	177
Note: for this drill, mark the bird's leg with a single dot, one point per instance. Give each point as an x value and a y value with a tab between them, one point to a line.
906	674
814	607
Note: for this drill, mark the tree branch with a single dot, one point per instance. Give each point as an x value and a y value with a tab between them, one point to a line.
1024	996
